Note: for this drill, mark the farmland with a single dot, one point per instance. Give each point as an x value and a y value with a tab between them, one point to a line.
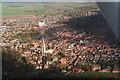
18	9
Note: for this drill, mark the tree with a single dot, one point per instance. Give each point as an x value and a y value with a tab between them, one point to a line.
24	59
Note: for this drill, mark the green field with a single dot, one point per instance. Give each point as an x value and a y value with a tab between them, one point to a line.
9	9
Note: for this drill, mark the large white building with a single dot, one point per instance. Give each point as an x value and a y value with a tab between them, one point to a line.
42	24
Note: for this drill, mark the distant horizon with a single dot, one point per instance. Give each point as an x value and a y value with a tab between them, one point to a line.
47	1
33	2
59	1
